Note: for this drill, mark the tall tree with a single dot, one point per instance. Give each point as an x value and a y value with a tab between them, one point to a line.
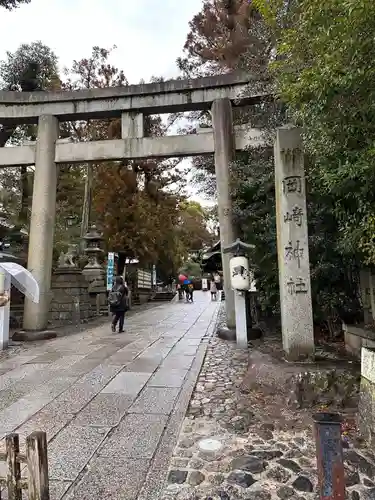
88	73
279	26
226	35
193	226
324	77
135	202
31	67
222	37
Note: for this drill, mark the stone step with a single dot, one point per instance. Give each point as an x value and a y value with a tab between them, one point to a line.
164	296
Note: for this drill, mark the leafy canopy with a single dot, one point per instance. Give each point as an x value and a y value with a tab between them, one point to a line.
319	52
324	75
32	66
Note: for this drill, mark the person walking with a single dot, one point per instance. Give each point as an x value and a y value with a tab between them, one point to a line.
190	291
185	287
218	283
118	302
213	290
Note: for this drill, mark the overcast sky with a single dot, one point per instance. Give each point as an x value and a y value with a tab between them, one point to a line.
149	34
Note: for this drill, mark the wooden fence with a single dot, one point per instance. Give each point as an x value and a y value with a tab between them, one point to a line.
36	483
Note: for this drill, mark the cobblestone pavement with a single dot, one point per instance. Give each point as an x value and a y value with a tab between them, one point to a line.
250	446
111	404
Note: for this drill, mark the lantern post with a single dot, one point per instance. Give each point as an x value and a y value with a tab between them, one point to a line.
240	276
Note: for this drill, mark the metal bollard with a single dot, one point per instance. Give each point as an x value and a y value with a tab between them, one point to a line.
329	456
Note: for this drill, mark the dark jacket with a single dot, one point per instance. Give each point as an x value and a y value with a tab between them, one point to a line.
123	306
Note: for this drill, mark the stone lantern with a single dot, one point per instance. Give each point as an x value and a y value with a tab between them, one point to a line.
93	251
94	272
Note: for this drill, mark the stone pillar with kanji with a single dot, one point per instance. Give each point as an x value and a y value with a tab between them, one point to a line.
292	245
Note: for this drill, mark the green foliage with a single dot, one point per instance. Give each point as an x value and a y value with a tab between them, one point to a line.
94	72
324	76
334	277
192	228
254	208
269	10
191	268
320	53
32	66
34	61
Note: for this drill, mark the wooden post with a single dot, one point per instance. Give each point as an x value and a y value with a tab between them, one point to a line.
241	319
37	463
13	467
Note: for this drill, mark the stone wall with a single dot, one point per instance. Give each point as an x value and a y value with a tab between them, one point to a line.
356	338
144	296
16	315
70	298
366	410
71	302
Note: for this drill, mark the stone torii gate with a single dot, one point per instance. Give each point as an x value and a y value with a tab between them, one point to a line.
131	104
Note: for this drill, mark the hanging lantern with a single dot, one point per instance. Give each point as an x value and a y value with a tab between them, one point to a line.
239	273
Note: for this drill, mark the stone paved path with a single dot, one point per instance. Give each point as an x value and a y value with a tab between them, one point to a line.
111	404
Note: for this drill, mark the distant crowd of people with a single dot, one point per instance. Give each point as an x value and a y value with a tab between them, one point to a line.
214	285
186	290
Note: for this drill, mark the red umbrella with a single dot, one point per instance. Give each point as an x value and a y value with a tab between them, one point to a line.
182	277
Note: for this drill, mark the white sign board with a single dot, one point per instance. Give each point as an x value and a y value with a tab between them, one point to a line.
144	279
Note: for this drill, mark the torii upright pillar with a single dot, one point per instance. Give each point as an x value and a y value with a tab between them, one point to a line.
222	122
42	225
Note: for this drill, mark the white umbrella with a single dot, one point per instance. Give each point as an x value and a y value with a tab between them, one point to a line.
22	279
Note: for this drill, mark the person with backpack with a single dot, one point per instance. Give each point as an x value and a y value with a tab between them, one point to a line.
118	302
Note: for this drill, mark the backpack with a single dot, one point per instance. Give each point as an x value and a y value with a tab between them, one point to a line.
114	298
